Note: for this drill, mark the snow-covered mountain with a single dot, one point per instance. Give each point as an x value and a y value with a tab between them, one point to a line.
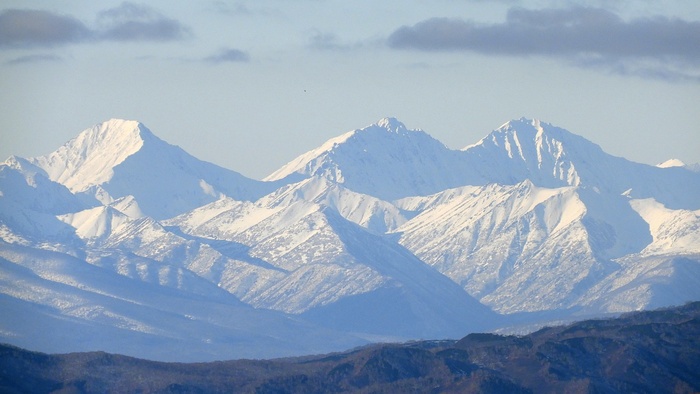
306	257
385	160
524	247
118	158
551	157
382	233
389	161
59	303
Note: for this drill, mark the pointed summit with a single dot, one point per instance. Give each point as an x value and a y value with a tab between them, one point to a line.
391	124
550	156
530	149
89	158
123	157
384	159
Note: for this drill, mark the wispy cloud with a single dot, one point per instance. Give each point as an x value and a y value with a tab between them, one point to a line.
326	41
133	22
23	28
583	36
650	69
228	55
38	58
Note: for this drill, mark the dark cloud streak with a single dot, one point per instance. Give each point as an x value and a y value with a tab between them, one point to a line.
39	58
29	28
127	22
158	30
556	32
586	37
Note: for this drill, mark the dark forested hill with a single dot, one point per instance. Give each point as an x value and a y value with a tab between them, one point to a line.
657	351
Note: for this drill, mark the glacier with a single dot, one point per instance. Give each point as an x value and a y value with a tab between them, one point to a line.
121	242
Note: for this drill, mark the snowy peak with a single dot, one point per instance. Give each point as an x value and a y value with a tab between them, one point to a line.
676	163
389	161
120	158
671	163
391	124
552	157
547	155
384	159
355	142
89	158
535	142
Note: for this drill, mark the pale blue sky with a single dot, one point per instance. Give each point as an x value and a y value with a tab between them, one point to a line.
249	85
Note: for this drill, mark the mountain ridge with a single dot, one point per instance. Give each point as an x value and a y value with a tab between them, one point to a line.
380	234
654	351
548	156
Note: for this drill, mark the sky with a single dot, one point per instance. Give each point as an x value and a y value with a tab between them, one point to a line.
250	85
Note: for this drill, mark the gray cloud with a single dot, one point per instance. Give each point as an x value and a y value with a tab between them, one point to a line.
325	41
32	28
557	32
577	33
228	55
128	22
665	71
331	42
39	58
133	22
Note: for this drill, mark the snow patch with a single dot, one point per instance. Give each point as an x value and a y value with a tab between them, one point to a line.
671	163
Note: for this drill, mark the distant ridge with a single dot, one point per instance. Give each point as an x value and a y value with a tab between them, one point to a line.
642	352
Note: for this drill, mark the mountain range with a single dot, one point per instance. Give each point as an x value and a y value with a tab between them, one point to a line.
121	242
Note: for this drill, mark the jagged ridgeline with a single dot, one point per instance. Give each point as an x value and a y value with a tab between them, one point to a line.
121	242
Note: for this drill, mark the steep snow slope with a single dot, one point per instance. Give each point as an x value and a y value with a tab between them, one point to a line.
28	185
312	260
284	252
95	222
124	158
370	212
552	157
29	203
673	231
415	301
385	160
523	247
645	282
57	303
388	161
514	247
